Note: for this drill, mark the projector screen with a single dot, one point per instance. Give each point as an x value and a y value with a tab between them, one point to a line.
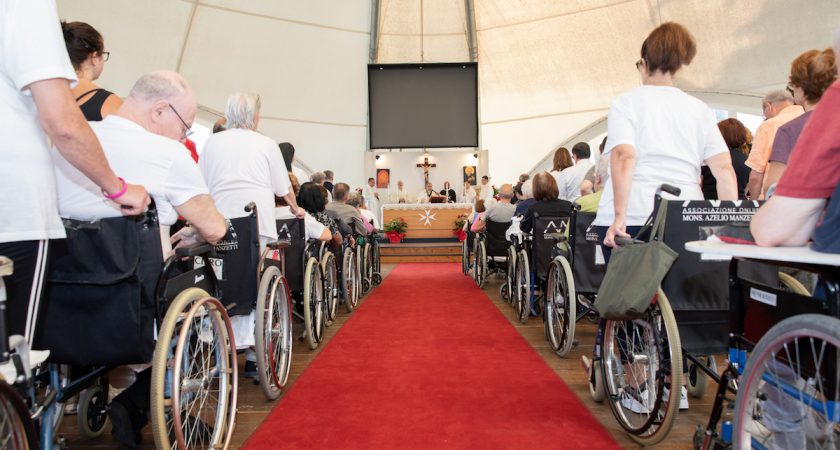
423	105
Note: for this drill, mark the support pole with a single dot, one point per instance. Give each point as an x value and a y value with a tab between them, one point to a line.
469	9
374	31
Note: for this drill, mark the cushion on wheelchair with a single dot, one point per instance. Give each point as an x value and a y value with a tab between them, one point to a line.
99	296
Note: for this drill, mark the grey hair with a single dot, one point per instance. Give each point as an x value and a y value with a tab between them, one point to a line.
528	188
779	96
506	191
241	110
318	177
355	200
159	85
329	174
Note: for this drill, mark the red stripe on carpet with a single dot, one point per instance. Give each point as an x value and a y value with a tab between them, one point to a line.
429	362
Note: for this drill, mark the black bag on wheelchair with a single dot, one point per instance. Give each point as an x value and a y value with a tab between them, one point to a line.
236	269
100	290
588	267
495	242
293	230
541	245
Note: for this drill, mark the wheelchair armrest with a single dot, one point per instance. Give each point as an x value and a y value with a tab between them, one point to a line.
559	237
6	266
196	250
278	244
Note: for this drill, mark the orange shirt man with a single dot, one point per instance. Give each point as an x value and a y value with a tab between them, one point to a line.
779	110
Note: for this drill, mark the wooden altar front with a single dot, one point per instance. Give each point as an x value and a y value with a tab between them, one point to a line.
427	220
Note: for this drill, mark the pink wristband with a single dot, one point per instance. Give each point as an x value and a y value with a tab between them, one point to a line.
119	193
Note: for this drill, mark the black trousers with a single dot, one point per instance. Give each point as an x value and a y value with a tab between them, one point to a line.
24	288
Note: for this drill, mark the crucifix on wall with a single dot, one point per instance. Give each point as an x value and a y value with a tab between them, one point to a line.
426	167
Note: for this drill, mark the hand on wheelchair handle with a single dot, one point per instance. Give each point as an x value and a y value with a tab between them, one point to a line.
299	212
616	231
186	237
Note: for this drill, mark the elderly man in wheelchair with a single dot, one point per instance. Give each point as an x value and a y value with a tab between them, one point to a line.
108	301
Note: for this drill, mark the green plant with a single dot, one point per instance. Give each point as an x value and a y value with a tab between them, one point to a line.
460	221
397	225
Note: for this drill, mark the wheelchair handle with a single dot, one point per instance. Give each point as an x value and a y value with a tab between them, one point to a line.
671	189
251	206
559	237
622	241
196	250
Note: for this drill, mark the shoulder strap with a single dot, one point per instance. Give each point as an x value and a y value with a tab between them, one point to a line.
88	92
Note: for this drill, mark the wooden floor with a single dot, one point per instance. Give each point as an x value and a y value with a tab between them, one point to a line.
253	408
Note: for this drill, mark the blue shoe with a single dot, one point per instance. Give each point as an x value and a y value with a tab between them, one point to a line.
250	369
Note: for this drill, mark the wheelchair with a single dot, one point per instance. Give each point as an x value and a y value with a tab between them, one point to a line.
367	258
642	360
350	273
490	245
466	254
301	268
194	367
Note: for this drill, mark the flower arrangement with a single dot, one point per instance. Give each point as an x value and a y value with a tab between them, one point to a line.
395	229
459	230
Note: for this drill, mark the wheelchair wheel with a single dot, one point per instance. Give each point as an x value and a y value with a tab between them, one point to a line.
92	412
367	269
523	287
789	392
510	274
313	306
16	429
697	382
330	272
481	265
560	307
273	333
596	384
640	360
194	375
348	281
377	266
465	257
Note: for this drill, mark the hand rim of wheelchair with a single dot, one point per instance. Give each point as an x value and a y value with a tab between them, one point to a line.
163	423
560	330
804	326
653	429
510	275
273	349
349	281
329	271
523	286
313	297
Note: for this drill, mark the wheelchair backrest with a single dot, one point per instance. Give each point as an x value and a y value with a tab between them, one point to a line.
236	267
293	230
541	245
99	297
496	243
698	289
588	267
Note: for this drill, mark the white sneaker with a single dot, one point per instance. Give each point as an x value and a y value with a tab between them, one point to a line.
633	403
683	397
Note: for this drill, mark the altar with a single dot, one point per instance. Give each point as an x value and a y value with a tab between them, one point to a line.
427	220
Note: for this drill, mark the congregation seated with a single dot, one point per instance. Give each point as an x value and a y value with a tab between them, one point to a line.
339	210
589	203
313	199
368	215
501	211
140	141
476	215
735	134
314	229
356	201
526	199
546	201
806	202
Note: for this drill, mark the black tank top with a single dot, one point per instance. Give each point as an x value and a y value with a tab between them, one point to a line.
92	109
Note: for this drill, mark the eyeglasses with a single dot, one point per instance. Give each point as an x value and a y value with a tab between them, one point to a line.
639	64
187	131
789	89
105	56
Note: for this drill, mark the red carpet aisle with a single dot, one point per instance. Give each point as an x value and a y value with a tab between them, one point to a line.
429	362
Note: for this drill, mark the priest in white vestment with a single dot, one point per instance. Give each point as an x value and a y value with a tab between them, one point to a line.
372	199
401	196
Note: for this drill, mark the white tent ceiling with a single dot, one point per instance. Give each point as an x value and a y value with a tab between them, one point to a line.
547	68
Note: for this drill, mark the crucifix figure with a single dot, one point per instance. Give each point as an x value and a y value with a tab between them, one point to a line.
426	167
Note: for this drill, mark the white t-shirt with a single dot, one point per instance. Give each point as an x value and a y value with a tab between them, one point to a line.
569	180
672	133
162	165
243	166
31	49
314	229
